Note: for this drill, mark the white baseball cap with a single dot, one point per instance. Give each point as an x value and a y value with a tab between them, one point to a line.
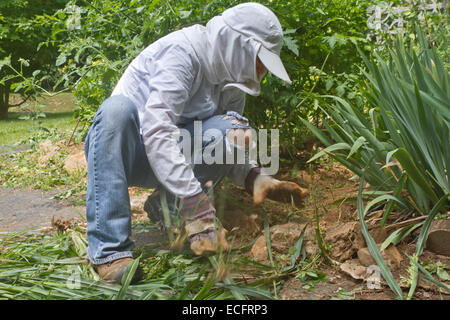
259	23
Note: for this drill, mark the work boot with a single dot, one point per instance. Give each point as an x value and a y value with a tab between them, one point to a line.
153	206
113	271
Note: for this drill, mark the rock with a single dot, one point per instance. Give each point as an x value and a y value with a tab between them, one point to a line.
439	237
283	237
75	163
390	255
365	258
354	269
346	239
378	233
259	249
311	247
137	201
370	275
305	177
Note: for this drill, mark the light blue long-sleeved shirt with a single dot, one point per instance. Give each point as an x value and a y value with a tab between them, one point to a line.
168	85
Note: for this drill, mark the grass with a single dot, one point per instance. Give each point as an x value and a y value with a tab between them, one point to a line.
58	112
36	168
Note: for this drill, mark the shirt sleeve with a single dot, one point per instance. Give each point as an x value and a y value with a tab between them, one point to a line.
170	82
232	99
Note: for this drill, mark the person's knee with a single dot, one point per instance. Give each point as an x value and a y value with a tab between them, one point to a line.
239	133
119	112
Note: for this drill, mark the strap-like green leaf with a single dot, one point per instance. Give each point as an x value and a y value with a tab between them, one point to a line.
334	147
413	172
358	143
127	277
373	248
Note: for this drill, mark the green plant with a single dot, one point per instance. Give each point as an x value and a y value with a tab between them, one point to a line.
102	37
342	294
401	144
437	268
23	25
311	277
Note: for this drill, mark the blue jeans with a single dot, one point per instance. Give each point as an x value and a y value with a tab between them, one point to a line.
116	159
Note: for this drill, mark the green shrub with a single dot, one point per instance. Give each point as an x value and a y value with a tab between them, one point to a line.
102	37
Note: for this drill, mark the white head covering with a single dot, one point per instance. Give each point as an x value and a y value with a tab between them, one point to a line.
258	22
228	46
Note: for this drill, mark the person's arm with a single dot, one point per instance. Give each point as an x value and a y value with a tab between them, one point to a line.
170	81
233	99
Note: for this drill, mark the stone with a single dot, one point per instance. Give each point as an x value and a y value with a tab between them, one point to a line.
282	238
75	163
259	249
346	239
439	237
311	247
390	255
304	177
354	269
378	233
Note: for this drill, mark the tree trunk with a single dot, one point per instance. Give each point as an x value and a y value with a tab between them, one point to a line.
4	101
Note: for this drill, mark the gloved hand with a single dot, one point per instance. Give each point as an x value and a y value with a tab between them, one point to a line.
264	186
201	227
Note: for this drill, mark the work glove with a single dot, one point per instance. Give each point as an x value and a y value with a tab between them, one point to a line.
264	186
201	227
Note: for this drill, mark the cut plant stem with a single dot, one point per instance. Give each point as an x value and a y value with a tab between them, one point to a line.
405	223
316	217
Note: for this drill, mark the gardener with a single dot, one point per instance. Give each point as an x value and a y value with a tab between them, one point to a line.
197	73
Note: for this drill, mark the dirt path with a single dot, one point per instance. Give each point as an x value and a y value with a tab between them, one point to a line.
33	209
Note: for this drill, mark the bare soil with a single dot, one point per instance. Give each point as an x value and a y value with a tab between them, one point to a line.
335	200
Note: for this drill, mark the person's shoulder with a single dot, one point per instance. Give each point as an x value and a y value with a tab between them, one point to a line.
175	42
174	48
